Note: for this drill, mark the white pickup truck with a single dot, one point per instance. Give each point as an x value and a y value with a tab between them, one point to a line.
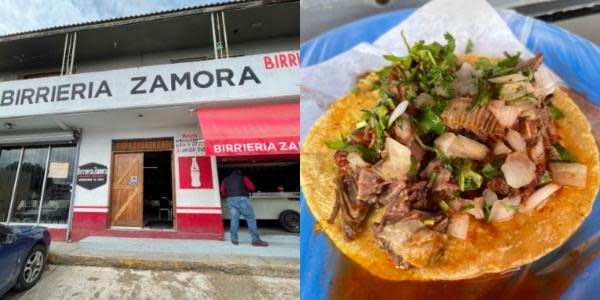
284	206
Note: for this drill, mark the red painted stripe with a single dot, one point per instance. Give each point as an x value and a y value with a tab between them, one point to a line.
89	206
199	207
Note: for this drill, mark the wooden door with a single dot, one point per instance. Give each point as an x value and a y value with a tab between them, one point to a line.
127	186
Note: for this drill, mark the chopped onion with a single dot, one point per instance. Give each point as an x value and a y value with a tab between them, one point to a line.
571	174
515	140
464	83
356	160
398	111
536	152
504	209
489	196
508	78
459	226
538	197
453	145
518	169
505	114
500	149
397	163
422	100
515	90
477	210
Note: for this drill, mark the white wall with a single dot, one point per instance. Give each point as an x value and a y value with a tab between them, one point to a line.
96	146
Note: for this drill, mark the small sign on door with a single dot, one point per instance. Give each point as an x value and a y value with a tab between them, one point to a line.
133	180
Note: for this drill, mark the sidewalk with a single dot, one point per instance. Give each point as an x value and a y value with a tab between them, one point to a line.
280	259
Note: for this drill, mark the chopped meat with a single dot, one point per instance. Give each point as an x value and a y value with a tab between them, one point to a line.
499	186
364	136
416	151
528	129
395	212
533	63
354	212
341	161
417	197
369	184
442	181
479	121
408	242
441	224
393	190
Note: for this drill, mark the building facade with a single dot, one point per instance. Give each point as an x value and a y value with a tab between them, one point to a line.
125	127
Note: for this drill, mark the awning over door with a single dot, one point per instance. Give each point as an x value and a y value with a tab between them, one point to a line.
251	130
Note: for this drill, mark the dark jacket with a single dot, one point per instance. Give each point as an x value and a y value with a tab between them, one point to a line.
236	185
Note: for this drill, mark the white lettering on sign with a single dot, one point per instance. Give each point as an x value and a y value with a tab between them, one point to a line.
263	76
256	147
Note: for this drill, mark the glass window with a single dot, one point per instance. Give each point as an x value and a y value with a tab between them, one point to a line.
9	162
25	208
55	207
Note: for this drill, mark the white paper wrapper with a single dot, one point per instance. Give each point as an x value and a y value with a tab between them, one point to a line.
464	19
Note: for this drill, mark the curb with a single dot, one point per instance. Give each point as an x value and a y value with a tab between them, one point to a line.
285	268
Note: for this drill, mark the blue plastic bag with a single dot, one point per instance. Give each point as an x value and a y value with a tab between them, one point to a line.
573	58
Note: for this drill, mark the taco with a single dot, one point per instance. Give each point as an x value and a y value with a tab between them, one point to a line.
439	167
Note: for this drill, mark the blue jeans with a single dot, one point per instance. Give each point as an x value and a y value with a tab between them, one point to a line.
237	206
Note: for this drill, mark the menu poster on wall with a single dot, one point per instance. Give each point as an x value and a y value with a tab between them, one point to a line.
58	170
92	175
189	143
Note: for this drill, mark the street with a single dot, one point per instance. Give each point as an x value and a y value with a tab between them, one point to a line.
76	282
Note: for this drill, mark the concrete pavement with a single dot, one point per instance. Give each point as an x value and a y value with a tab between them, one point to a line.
280	259
80	282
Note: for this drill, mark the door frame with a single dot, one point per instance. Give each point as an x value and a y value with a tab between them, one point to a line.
173	185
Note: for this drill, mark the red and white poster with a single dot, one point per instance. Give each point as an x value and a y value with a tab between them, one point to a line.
195	172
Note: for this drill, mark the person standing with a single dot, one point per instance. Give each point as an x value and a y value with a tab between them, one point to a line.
237	187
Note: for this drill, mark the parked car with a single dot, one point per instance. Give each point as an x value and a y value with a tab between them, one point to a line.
23	253
282	206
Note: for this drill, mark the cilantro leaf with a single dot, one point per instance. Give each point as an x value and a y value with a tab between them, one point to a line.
428	122
342	145
490	171
564	154
483	96
556	113
466	207
469	48
467	178
545	178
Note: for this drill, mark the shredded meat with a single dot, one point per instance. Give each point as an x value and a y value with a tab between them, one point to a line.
417	197
499	186
395	212
341	161
392	191
354	212
364	136
480	121
528	129
369	184
532	63
442	182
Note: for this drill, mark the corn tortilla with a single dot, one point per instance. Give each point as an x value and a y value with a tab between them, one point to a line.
489	248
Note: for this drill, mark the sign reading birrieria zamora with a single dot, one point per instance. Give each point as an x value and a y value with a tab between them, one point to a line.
133	136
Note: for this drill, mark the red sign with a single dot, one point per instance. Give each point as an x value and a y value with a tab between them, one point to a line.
251	130
195	174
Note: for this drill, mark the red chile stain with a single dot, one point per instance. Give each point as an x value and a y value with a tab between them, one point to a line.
548	282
